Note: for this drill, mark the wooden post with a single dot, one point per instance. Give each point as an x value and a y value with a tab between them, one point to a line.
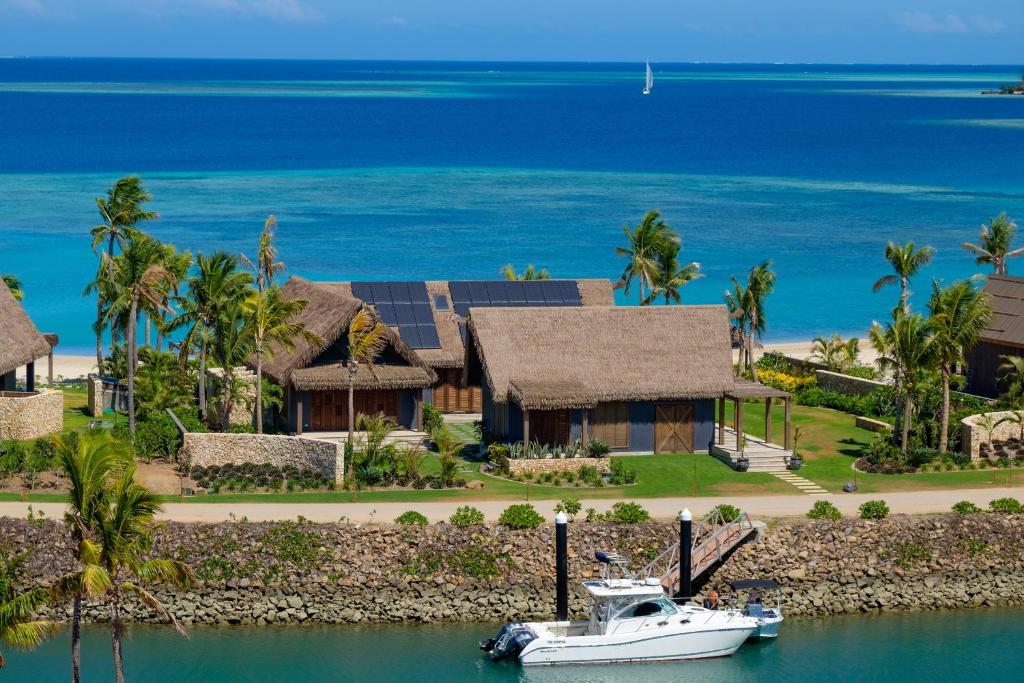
768	419
585	431
788	438
739	426
526	427
49	366
721	421
298	415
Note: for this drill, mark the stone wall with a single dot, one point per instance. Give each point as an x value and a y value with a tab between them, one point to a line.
871	424
972	436
94	406
846	384
536	465
346	573
30	416
203	450
242	407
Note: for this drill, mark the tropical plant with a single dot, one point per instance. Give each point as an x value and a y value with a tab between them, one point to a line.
217	285
410	459
161	384
465	516
1015	417
1011	375
367	338
988	423
671	276
874	509
509	273
121	211
823	509
411	518
89	465
19	626
644	243
760	283
520	516
266	266
906	261
996	240
965	507
123	539
730	513
734	303
835	353
140	279
959	314
906	348
570	506
13	285
627	513
1009	505
232	344
271	319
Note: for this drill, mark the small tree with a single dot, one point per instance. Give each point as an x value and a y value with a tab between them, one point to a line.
19	626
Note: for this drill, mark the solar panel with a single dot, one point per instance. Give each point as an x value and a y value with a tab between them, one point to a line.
380	292
478	293
534	295
496	293
460	292
570	293
516	293
463	332
400	292
361	290
422	314
428	337
462	308
418	292
404	314
387	314
410	335
552	292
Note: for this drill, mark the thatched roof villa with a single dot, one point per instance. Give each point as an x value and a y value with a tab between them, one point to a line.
1002	336
641	379
427	323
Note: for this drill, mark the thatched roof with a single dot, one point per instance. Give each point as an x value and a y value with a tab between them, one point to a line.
1007	323
20	341
327	314
577	357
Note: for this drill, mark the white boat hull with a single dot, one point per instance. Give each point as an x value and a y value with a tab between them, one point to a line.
655	643
768	627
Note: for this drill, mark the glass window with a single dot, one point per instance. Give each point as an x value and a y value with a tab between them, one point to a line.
440	302
649	608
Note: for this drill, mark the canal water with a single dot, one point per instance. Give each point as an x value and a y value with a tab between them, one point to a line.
981	645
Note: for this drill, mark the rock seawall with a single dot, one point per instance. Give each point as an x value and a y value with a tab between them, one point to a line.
295	572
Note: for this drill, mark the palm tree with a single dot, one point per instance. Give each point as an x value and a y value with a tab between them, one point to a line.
644	242
19	626
89	466
671	276
760	283
177	263
735	303
217	284
120	211
835	353
367	338
1012	370
905	346
124	538
14	285
906	261
141	279
996	241
509	273
233	343
271	318
266	265
959	314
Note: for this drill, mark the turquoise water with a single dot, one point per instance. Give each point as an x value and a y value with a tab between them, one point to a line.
448	170
982	645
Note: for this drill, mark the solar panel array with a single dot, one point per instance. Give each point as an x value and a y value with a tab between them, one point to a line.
492	293
404	305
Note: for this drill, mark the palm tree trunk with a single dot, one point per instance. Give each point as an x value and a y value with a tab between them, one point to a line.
115	640
944	423
76	639
99	334
743	350
202	379
132	320
908	406
750	346
149	341
259	392
351	427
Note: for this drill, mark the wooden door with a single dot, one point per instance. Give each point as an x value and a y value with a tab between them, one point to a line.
673	428
610	423
451	395
330	408
549	427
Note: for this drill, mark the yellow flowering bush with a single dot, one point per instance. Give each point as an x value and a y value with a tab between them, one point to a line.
785	381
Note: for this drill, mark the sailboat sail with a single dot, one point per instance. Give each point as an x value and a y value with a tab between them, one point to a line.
649	83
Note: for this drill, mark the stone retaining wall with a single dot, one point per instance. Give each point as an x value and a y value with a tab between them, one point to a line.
871	424
846	384
94	404
342	573
327	457
30	416
972	436
536	465
244	403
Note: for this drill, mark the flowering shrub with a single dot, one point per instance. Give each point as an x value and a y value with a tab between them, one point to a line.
785	381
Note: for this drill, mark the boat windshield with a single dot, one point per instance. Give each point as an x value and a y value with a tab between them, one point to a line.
647	608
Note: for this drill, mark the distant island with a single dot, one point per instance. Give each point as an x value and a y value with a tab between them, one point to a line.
1011	89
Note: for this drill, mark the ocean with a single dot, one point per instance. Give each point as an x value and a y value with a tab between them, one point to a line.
430	170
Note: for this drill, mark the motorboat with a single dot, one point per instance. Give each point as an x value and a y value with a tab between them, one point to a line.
769	619
631	620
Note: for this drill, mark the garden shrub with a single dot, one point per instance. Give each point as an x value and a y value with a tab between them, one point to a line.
628	513
965	507
785	381
730	513
570	506
520	516
411	517
909	554
466	515
874	509
598	449
1011	505
621	474
476	562
432	418
823	509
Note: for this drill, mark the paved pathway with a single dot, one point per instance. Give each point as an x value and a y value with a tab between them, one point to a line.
910	502
805	485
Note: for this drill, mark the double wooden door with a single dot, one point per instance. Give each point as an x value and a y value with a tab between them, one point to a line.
550	427
329	409
673	428
451	395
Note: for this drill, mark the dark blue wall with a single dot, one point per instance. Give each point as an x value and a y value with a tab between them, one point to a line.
407	407
703	424
641	427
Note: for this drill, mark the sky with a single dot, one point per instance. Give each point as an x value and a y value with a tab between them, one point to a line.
823	31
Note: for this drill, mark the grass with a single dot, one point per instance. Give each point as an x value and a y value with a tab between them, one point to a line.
464	431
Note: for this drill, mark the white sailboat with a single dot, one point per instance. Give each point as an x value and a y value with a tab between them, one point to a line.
649	83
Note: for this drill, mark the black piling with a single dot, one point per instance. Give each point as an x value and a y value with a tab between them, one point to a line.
685	554
561	567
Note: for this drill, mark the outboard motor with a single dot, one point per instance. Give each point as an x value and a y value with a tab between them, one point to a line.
510	641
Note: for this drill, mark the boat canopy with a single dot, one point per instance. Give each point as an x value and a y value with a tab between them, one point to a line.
614	588
744	584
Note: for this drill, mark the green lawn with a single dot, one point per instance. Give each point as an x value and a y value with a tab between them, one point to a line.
463	430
